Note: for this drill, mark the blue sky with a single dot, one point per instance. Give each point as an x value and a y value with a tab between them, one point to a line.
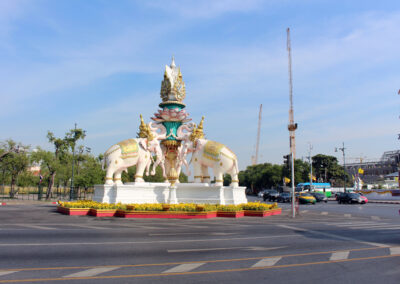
100	64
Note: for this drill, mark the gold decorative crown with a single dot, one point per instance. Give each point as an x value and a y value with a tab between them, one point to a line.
144	130
172	87
197	131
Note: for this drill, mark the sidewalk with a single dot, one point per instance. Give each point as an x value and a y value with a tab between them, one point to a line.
5	202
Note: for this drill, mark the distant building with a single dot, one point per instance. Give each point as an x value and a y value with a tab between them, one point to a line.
34	169
376	171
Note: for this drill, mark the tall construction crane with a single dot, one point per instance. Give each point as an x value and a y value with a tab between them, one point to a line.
255	157
291	126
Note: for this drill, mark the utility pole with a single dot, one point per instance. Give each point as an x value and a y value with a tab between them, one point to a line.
310	161
71	191
344	165
255	158
291	126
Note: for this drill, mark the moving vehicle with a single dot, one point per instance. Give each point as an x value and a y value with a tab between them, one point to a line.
271	195
322	187
320	197
305	198
347	197
284	197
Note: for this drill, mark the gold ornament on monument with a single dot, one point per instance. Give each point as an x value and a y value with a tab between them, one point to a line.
197	131
144	130
172	87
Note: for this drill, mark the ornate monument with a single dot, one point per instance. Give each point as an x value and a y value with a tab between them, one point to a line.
171	137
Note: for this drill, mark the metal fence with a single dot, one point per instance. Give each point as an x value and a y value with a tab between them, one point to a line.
58	193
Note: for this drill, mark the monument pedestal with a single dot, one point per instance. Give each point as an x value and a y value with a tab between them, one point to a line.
198	193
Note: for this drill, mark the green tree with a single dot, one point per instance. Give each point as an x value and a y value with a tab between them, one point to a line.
14	161
90	173
324	164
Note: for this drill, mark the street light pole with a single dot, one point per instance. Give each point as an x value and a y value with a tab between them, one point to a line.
344	165
71	193
293	190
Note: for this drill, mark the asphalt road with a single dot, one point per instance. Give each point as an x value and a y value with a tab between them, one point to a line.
39	245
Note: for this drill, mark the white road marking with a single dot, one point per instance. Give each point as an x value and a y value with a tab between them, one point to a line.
387	228
149	242
91	272
36	227
267	262
395	250
354	224
339	255
191	226
347	215
377	226
228	248
375	218
184	267
174	234
137	226
324	213
89	227
333	236
6	272
303	211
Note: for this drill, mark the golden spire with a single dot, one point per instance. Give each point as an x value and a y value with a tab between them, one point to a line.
197	131
144	130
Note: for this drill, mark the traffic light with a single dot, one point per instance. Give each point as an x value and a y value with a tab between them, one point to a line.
286	161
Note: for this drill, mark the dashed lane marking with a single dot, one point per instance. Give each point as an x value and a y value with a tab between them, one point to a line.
375	218
6	272
89	227
347	215
184	267
395	250
267	262
227	248
36	227
91	272
339	255
324	213
351	224
201	271
333	236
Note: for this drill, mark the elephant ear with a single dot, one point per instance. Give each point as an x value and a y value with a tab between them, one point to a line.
143	143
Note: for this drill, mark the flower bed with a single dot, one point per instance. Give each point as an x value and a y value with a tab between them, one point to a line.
102	212
168	214
230	211
73	211
158	210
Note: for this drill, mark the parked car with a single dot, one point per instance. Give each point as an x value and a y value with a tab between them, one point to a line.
363	197
305	198
320	196
348	197
261	193
271	195
337	194
284	197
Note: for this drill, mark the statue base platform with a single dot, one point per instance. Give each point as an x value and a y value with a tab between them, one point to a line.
198	193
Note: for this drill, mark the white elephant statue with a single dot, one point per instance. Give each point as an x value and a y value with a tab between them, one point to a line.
210	154
130	152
